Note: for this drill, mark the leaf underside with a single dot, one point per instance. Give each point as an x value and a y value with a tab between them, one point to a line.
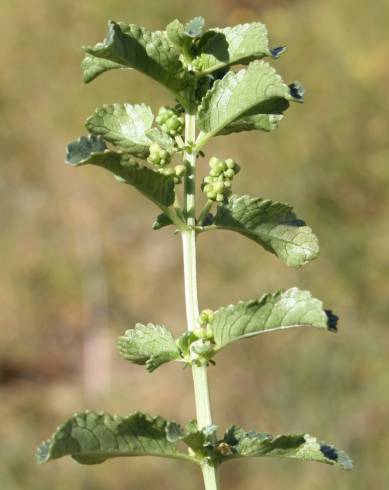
270	224
256	90
123	125
91	438
150	345
161	221
232	45
280	310
93	150
131	46
251	121
301	446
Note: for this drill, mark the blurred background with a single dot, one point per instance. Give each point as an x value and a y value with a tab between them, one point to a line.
80	263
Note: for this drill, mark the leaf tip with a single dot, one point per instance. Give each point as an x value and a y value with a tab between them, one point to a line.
43	452
297	91
332	321
277	52
336	456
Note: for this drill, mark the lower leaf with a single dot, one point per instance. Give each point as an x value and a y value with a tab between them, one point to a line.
92	438
237	443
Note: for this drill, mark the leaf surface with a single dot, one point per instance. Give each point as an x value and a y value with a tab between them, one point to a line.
194	28
161	221
270	224
123	125
92	67
232	45
182	36
131	46
92	438
257	89
280	310
152	345
93	150
156	135
301	446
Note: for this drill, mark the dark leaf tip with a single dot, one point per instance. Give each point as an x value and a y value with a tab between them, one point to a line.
297	91
329	452
277	52
332	321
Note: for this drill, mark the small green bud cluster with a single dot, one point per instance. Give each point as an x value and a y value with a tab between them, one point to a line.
205	331
170	121
177	172
217	185
158	156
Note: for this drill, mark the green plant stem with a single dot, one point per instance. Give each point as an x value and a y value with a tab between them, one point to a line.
200	378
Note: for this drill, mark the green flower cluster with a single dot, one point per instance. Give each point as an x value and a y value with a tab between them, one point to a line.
177	172
158	156
217	185
170	120
204	331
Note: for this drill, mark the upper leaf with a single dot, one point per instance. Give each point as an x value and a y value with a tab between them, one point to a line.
232	45
149	344
131	46
183	36
271	224
123	125
258	89
263	122
194	28
92	67
292	308
93	150
251	120
92	438
302	446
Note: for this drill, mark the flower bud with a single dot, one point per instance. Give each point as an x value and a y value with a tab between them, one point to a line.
206	316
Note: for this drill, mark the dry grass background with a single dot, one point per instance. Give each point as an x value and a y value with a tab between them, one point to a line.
80	263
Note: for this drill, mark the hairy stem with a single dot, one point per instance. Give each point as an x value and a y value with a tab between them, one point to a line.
200	378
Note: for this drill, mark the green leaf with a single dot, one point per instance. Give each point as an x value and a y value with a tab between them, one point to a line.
232	45
301	446
92	438
131	46
257	89
165	141
182	36
123	125
271	224
201	442
264	122
93	150
252	121
280	310
176	34
161	221
149	344
92	67
194	28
